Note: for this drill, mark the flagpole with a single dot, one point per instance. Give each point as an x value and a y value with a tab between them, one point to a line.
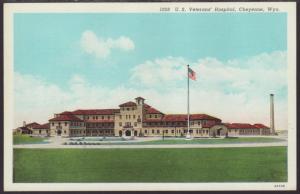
188	103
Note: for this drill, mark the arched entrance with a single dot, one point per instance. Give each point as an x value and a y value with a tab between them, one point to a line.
135	133
218	130
58	132
128	133
120	133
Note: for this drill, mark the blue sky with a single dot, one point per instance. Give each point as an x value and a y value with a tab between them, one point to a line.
146	54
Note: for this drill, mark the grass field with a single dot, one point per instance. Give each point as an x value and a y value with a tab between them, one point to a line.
210	141
262	164
25	139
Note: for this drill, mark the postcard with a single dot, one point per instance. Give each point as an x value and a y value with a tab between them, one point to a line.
149	96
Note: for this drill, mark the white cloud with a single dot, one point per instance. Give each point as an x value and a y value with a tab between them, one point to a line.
159	71
235	90
101	47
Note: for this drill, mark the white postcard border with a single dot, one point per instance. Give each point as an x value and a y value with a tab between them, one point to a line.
11	8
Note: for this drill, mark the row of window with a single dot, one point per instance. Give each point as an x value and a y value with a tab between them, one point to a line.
129	116
153	131
128	108
152	116
96	117
66	124
127	124
40	131
174	123
99	131
249	131
91	125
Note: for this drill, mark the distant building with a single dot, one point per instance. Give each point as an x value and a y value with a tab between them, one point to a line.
140	119
26	128
41	130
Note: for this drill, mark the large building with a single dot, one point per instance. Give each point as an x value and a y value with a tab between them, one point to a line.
139	119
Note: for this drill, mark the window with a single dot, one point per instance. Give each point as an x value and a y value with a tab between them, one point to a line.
139	117
191	131
128	109
126	116
132	108
97	117
52	124
108	117
66	123
135	124
157	131
150	116
199	122
87	117
155	116
129	116
192	123
46	131
120	116
65	132
172	131
166	131
133	116
120	124
153	131
102	117
59	124
40	131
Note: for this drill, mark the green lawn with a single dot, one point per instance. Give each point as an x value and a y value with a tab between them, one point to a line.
262	164
213	141
25	139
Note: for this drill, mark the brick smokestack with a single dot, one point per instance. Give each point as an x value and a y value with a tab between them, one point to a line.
272	124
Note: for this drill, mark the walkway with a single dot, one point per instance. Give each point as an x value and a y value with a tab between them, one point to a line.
229	145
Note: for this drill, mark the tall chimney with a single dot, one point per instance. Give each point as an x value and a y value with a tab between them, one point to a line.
272	125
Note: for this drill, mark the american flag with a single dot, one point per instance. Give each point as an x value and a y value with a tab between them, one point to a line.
192	74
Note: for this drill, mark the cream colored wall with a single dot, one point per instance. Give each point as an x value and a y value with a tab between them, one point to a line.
96	118
134	115
202	132
65	126
43	132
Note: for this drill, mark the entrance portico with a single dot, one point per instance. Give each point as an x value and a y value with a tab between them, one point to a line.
127	132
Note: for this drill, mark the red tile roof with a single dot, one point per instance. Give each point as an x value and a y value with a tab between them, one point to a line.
146	105
66	117
202	117
32	125
239	126
153	120
175	117
261	126
95	111
128	104
151	110
183	117
43	126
